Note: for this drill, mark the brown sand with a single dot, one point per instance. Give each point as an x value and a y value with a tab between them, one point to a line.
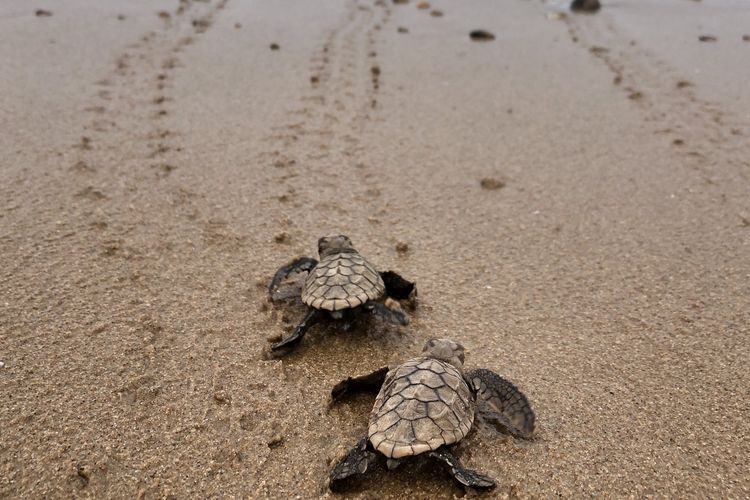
150	165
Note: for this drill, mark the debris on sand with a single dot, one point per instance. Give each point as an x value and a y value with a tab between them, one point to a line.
402	29
282	237
481	36
237	26
556	15
400	2
402	247
492	183
2	365
707	38
121	17
436	13
42	13
275	46
746	38
683	84
585	5
423	5
163	14
275	441
314	80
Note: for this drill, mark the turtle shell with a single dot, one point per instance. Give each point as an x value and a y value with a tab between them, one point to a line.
342	281
424	403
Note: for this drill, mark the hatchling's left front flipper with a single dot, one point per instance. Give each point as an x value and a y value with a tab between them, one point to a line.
501	404
365	383
296	266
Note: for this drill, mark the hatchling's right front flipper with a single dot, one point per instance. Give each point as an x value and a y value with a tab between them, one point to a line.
397	287
501	404
366	383
296	266
356	462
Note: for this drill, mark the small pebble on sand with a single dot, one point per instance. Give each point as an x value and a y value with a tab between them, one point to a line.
585	5
423	5
2	365
707	38
275	46
746	38
275	441
402	29
481	36
237	25
121	17
42	13
402	247
282	237
436	13
492	183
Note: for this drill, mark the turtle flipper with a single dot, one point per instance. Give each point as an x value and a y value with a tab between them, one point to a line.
312	317
296	266
366	383
397	287
501	404
467	477
387	314
356	462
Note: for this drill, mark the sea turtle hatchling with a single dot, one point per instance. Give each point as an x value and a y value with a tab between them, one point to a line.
427	404
341	284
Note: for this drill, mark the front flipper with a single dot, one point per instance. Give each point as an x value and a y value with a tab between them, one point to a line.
296	266
366	383
312	317
467	477
397	287
356	462
387	314
501	404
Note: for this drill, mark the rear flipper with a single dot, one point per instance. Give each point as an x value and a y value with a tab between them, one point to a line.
465	476
312	317
355	463
397	287
296	266
501	404
387	314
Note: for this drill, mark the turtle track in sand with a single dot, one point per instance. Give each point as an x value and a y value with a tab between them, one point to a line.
321	139
708	137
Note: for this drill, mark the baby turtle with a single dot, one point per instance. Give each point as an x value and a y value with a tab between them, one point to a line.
340	285
427	404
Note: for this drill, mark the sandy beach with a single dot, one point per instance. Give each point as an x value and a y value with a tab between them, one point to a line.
159	160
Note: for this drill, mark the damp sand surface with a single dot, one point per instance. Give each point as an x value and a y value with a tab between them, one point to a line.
571	198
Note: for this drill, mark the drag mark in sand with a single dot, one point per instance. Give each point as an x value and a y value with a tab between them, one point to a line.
320	143
668	100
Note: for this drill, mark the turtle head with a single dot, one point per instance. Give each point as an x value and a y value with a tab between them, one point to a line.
445	350
333	244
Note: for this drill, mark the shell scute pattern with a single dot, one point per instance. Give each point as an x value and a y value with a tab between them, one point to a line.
342	281
433	406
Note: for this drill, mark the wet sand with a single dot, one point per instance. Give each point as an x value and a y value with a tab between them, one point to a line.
159	161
